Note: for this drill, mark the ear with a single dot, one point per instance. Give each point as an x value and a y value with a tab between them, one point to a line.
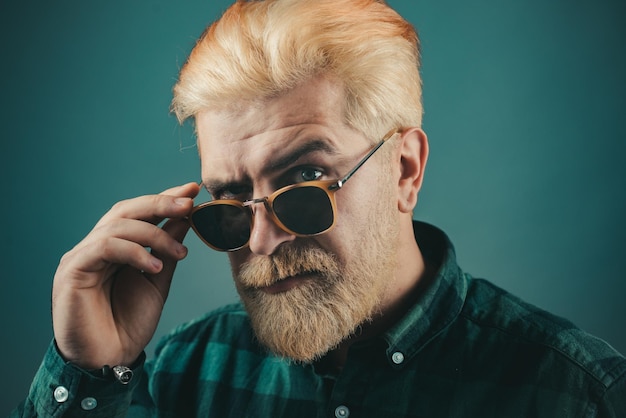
413	154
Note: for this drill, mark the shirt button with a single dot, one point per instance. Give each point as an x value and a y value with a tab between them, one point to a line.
61	394
342	411
88	404
397	357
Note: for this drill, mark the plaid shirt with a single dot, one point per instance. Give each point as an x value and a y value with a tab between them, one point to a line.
465	349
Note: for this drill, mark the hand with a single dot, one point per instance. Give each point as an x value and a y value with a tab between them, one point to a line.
109	290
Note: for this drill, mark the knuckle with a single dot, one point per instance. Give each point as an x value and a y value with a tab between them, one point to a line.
156	234
118	207
69	258
135	254
161	204
159	240
107	248
65	261
110	229
102	231
65	258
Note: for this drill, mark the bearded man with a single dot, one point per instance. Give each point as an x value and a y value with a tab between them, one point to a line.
308	117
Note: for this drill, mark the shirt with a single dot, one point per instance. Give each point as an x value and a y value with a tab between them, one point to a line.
466	348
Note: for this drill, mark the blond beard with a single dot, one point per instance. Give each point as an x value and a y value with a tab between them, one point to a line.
307	321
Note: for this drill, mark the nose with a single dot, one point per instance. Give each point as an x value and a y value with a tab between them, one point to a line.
266	236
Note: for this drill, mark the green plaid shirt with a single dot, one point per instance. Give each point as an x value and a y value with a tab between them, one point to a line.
466	349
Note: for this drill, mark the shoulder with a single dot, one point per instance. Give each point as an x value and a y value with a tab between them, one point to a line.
505	321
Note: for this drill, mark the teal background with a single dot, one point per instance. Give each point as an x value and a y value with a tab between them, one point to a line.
524	107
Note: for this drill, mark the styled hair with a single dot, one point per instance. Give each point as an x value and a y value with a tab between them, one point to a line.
259	49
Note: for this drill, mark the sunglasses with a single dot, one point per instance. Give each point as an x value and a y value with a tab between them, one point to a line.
302	209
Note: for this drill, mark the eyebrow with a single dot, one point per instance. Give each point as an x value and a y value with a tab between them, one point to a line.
286	160
278	164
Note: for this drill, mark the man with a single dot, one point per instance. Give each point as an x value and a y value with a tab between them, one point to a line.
308	117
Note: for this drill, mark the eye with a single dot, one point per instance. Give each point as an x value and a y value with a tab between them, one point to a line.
232	192
308	174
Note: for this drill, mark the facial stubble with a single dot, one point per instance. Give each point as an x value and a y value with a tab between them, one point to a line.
332	303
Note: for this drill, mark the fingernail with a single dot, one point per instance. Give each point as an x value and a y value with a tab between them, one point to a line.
181	250
158	264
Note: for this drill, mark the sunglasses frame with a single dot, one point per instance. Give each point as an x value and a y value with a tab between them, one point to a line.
330	187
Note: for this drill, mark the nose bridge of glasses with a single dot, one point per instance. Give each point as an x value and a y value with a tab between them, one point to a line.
265	200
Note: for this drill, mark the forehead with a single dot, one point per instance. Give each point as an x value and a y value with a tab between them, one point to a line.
240	140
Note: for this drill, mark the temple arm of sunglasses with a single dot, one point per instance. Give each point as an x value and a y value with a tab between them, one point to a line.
345	178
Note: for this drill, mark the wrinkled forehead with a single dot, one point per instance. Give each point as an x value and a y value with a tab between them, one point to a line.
249	128
255	138
320	99
241	153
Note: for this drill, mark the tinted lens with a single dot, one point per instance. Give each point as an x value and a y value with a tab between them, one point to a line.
306	210
224	226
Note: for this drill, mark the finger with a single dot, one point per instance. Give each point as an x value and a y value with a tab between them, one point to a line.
177	229
102	255
186	190
150	208
143	233
155	208
173	202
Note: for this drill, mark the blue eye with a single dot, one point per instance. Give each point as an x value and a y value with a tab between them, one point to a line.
309	174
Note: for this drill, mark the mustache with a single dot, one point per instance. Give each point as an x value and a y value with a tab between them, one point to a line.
287	261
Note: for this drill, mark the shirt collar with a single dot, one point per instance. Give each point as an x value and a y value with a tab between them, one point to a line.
437	306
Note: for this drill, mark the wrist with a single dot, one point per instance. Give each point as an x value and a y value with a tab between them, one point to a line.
123	374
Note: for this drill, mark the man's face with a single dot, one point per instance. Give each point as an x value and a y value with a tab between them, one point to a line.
304	295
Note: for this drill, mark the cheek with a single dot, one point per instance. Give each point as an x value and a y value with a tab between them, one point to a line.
368	210
345	239
357	207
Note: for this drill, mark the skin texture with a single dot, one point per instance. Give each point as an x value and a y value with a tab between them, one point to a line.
242	146
109	290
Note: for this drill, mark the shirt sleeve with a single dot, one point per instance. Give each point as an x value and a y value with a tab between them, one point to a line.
62	389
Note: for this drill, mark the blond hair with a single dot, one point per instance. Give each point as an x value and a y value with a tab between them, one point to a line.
260	49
